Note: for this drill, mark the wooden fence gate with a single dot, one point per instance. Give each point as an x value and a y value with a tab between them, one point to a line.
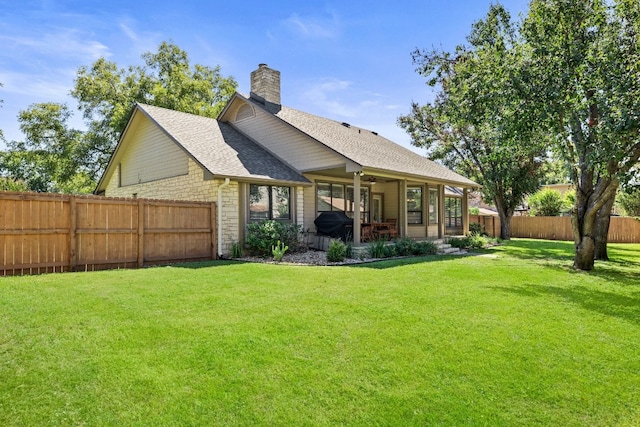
42	233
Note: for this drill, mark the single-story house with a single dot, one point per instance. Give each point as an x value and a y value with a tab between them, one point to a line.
262	160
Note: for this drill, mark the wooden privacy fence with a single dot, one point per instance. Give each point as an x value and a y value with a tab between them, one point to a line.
54	233
621	229
490	223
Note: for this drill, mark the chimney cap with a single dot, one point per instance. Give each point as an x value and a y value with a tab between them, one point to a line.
262	65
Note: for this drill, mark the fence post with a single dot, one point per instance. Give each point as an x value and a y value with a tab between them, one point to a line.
73	223
140	233
214	229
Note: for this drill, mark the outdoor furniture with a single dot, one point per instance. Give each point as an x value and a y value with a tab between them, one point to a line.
366	234
385	230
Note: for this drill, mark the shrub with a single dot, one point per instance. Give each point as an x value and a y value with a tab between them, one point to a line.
459	242
424	248
474	210
376	249
236	250
546	202
478	242
278	251
629	200
473	241
569	200
476	228
336	251
389	251
263	236
404	246
348	253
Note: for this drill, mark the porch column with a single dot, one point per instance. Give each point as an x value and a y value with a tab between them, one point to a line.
402	208
441	212
356	209
465	211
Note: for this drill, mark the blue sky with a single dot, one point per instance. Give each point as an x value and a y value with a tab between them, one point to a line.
346	60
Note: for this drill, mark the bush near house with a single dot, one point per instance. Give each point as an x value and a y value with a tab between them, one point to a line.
264	235
472	241
337	251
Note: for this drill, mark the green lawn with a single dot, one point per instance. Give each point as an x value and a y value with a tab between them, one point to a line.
511	337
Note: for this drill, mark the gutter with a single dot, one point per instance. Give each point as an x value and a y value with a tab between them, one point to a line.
220	188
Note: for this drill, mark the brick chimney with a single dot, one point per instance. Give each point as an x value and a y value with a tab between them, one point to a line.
265	87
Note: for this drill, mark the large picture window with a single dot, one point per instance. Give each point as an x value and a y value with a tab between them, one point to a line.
269	202
433	205
414	205
340	197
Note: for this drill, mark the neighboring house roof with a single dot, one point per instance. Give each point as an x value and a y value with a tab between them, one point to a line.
219	148
367	148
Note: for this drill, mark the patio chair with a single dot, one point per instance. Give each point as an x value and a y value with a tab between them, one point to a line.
367	233
393	229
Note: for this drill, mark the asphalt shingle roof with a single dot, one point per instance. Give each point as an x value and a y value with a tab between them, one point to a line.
220	148
369	149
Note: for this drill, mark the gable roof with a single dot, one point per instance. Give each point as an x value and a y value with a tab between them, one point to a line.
218	147
365	147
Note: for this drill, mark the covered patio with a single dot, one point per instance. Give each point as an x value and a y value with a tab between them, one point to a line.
389	205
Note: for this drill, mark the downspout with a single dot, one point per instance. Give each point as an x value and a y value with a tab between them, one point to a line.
220	188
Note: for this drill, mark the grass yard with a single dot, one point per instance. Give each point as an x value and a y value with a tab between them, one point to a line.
511	337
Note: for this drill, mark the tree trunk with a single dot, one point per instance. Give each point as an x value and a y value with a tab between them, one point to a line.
505	225
585	217
583	259
505	218
601	232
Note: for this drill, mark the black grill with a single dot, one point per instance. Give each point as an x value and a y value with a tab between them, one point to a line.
334	224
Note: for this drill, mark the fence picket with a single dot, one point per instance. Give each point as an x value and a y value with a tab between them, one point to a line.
52	232
621	229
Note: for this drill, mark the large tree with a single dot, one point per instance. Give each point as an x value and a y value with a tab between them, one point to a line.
586	63
106	94
50	159
482	122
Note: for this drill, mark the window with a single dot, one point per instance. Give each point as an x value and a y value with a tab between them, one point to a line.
433	206
364	203
338	197
453	212
414	205
269	202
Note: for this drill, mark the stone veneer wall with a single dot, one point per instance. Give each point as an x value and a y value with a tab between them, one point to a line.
190	187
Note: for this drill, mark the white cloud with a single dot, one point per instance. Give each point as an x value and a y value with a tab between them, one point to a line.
128	32
141	41
38	86
326	94
64	42
314	27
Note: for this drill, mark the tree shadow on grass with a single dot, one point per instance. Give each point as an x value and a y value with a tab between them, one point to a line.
538	249
623	266
625	307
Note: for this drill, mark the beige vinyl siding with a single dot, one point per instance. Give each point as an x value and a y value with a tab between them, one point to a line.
153	156
300	202
390	190
310	207
288	144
